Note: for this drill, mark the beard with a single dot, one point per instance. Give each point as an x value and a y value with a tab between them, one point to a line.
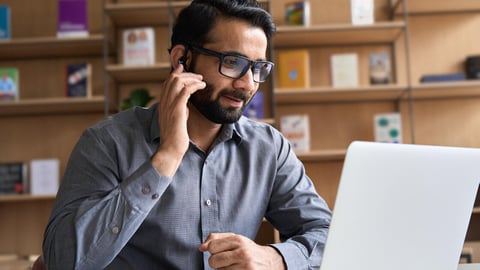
213	109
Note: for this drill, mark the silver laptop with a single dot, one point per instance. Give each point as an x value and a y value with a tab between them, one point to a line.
402	207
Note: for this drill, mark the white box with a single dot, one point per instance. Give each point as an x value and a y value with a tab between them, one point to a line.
44	176
388	127
362	11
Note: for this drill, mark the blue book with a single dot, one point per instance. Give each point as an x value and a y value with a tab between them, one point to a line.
443	77
4	22
254	109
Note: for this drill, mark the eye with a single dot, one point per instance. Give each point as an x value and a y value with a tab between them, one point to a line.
231	62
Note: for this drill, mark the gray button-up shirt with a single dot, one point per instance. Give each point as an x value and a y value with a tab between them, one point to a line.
115	211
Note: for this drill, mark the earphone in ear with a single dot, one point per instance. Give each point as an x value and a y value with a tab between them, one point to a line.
181	61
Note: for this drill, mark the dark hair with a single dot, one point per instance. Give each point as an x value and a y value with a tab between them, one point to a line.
195	21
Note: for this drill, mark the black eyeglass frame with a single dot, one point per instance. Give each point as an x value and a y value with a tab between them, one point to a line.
252	65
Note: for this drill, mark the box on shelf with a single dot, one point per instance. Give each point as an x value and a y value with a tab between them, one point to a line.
78	80
294	68
9	84
473	67
380	68
448	77
388	127
296	128
44	176
5	27
72	18
139	46
344	69
297	13
362	12
13	177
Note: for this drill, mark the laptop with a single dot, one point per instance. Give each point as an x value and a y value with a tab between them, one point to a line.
402	207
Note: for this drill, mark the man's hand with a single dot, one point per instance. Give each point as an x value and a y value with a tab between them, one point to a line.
232	251
172	119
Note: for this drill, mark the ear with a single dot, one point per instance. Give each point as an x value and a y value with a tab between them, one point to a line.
177	55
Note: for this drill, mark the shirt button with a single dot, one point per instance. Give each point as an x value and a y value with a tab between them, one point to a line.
145	189
208	202
115	230
155	196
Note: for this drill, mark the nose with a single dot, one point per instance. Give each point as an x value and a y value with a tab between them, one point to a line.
245	82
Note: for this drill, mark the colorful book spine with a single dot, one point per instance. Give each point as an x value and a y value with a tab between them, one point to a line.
296	128
255	108
78	80
9	84
5	22
297	13
72	18
139	46
294	68
460	76
13	178
380	68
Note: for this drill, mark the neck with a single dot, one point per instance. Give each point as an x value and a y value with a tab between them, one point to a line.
202	132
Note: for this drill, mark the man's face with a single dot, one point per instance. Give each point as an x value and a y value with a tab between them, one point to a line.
224	99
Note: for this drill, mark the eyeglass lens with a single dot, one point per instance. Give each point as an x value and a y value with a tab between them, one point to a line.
236	66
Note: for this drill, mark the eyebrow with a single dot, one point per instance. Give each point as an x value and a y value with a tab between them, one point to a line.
241	54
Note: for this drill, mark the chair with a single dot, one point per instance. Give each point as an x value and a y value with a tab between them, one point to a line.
39	264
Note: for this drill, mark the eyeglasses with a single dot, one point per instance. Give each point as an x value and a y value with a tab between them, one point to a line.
235	66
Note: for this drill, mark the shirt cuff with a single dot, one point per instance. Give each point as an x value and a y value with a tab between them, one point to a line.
292	255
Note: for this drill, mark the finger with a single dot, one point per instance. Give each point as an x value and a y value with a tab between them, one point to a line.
211	237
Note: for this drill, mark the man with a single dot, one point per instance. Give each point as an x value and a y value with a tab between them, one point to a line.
185	184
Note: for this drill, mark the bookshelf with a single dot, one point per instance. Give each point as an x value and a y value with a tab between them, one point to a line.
43	123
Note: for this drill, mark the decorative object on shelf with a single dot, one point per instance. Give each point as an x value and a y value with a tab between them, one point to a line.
44	176
294	68
139	46
138	97
380	68
473	67
4	22
296	128
297	13
362	12
72	18
254	108
447	77
9	84
79	80
13	177
388	127
344	69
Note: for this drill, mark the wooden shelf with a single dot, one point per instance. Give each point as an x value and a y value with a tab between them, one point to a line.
58	105
43	47
328	94
446	90
140	14
132	74
337	34
323	155
25	198
422	7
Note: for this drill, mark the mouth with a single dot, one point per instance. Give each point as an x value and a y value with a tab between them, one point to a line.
232	101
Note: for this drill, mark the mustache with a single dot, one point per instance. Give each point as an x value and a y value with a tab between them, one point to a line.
234	93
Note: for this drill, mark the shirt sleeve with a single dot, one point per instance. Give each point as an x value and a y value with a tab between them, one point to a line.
296	210
96	211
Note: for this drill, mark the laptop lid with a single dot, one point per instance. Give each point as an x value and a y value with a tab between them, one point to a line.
402	206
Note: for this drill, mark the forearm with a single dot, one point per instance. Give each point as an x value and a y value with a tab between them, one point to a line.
100	226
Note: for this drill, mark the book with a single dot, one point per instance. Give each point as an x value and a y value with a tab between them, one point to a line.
13	176
9	84
5	22
44	176
460	76
344	69
297	13
296	128
78	80
362	11
72	18
254	108
294	68
139	46
388	127
380	68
